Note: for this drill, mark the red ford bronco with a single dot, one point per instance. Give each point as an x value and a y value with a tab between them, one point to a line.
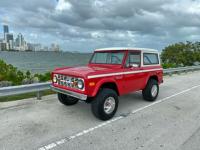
111	72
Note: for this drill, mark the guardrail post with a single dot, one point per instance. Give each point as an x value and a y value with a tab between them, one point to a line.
39	95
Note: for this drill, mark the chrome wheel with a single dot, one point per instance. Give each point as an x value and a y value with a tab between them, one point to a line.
154	90
109	105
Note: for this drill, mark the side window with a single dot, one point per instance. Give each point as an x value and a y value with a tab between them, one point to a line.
116	58
133	58
150	59
100	58
108	58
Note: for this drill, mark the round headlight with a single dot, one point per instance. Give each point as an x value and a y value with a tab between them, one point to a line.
80	84
54	78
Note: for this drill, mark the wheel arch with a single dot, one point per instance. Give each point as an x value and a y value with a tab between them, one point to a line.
106	83
155	77
110	85
152	76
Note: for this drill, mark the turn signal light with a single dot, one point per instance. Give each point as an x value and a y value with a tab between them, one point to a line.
92	84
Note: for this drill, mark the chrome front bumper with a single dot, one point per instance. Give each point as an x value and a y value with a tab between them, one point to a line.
70	93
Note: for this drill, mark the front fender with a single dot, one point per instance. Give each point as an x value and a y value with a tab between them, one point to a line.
99	83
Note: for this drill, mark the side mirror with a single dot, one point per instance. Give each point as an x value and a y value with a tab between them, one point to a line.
134	65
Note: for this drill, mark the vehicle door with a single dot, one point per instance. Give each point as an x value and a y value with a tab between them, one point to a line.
133	75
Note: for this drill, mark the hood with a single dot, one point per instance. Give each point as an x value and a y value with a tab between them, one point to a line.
84	71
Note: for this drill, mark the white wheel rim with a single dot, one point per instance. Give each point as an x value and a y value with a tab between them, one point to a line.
154	90
109	105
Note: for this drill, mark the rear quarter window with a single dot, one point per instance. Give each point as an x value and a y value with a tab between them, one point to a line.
150	59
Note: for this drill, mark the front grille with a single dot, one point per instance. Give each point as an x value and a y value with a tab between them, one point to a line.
68	81
65	80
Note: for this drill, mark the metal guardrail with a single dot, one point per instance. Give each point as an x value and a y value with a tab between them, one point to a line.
181	69
39	87
23	89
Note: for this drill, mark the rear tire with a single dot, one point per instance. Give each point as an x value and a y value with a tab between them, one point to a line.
67	100
105	104
150	93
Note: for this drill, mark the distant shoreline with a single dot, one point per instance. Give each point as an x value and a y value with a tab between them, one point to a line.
76	52
28	51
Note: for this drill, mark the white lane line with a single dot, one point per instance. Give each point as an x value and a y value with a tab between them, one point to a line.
50	146
164	99
64	140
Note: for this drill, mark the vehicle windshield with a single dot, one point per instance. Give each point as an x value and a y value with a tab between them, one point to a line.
107	58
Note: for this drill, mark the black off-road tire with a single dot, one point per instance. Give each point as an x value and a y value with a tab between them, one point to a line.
67	100
97	105
147	94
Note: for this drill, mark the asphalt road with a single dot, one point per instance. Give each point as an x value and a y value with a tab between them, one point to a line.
172	122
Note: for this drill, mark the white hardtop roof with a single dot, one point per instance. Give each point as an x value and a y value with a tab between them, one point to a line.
126	48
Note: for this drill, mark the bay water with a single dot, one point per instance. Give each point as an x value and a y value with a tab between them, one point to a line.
41	62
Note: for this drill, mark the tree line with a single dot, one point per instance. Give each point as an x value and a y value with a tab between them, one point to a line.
181	54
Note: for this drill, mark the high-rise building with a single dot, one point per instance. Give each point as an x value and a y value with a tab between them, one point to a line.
5	29
9	41
20	40
20	43
8	37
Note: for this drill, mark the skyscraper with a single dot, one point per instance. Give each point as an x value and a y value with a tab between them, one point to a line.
8	37
20	43
9	41
20	40
5	29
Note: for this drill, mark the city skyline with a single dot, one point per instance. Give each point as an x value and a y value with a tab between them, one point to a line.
11	42
86	25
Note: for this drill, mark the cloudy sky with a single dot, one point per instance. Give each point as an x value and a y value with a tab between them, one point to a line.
83	25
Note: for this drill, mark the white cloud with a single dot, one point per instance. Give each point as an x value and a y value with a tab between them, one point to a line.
97	34
63	5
